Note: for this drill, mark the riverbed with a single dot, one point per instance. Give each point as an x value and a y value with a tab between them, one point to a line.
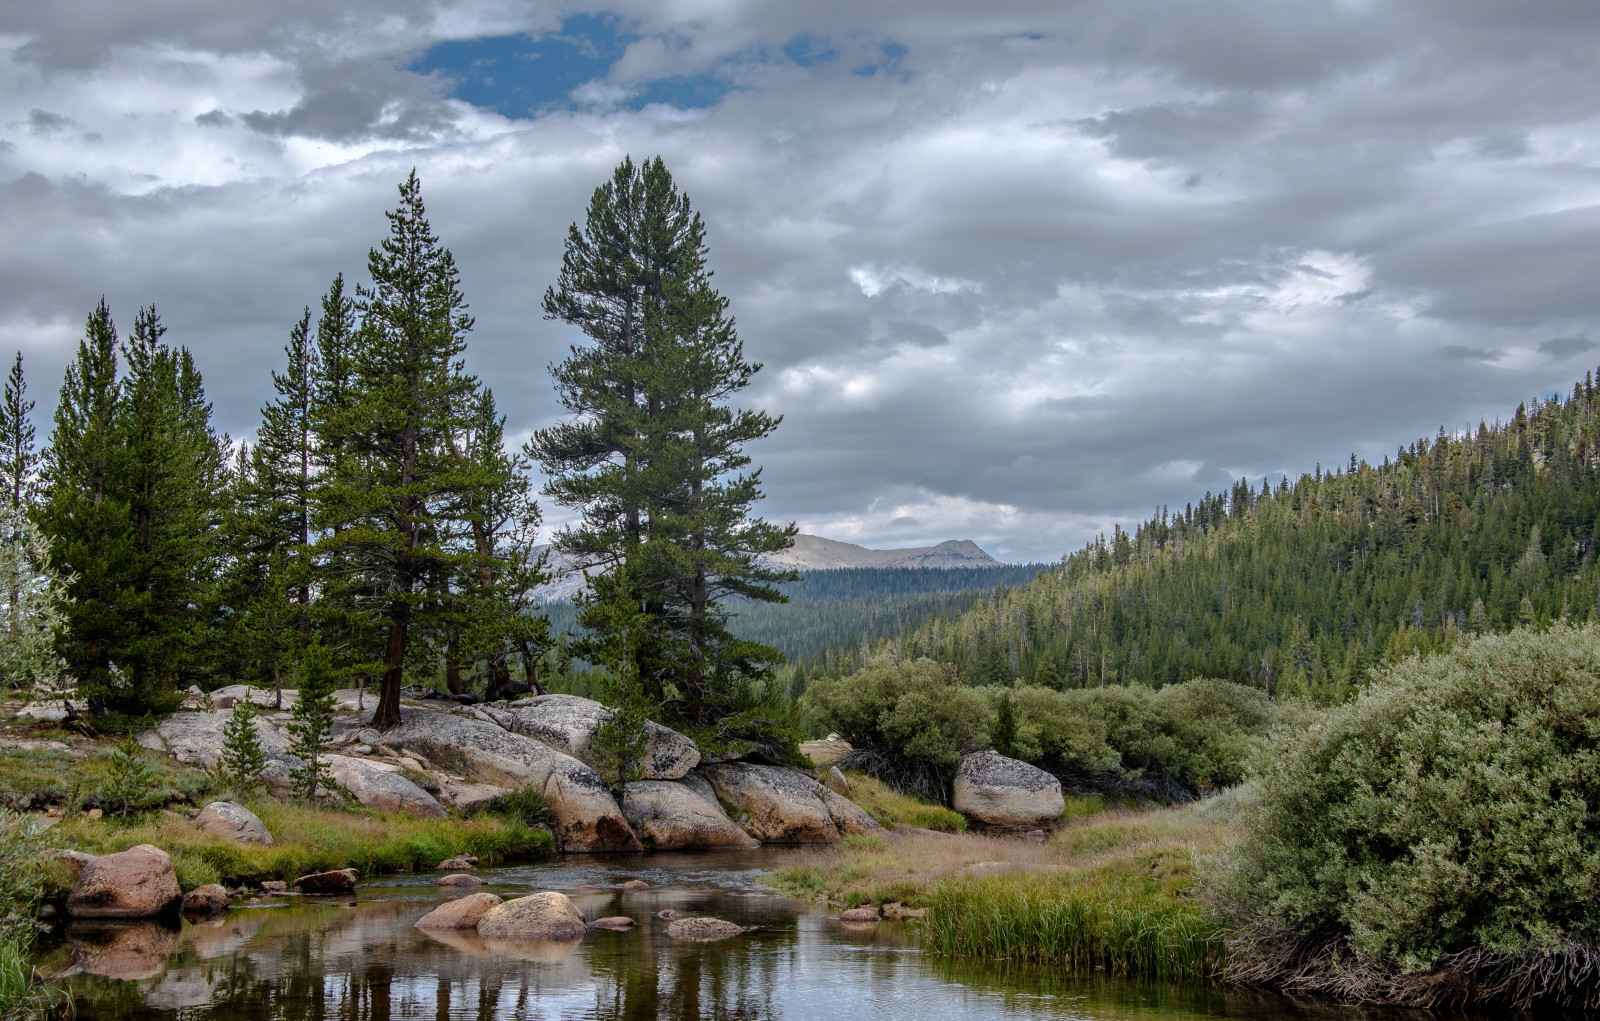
361	959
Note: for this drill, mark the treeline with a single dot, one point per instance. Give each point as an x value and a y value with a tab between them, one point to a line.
378	518
1302	587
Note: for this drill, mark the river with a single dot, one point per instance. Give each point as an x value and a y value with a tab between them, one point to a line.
362	959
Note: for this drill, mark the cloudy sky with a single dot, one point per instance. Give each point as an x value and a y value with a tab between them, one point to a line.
1016	270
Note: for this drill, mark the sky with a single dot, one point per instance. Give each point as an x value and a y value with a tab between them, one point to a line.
1016	271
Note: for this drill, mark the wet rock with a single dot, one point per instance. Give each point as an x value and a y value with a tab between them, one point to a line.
128	951
205	901
634	885
547	915
583	816
999	791
703	929
337	881
462	913
568	724
461	879
859	915
779	806
616	923
671	816
234	822
274	886
136	883
460	863
382	789
848	816
668	914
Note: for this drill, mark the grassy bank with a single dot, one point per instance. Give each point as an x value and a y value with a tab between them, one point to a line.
308	839
1113	892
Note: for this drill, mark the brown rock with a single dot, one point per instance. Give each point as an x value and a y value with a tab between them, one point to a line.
835	781
859	915
635	884
136	883
205	901
462	913
667	914
547	915
776	805
901	911
460	863
274	886
461	879
703	929
74	860
233	822
337	881
617	923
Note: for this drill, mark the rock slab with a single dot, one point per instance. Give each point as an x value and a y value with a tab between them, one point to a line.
998	791
779	806
136	883
569	723
548	915
232	821
672	817
461	913
383	790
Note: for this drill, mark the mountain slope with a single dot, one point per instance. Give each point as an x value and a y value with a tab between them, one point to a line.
1304	586
814	553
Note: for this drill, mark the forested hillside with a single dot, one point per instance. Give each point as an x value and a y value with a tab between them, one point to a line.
1303	586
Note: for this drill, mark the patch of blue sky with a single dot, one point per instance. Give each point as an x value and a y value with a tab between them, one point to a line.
519	75
809	50
886	63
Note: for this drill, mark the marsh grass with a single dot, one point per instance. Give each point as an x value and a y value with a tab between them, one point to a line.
21	886
891	808
310	839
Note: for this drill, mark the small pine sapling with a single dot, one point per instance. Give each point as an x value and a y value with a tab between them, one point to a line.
312	726
243	759
132	784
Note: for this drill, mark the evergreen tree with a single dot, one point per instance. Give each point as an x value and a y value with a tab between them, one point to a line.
312	722
387	495
651	454
31	619
243	759
19	461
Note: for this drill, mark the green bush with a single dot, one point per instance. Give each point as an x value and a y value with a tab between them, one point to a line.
1447	818
524	805
915	707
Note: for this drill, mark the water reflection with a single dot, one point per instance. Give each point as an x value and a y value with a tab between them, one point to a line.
308	960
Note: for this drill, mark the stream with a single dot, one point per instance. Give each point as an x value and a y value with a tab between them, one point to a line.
361	959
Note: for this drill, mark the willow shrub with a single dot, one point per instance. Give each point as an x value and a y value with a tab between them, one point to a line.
1451	812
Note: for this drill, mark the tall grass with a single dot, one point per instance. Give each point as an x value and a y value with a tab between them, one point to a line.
891	808
307	839
1131	918
21	849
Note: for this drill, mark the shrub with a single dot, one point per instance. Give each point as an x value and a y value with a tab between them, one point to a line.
22	847
132	784
312	728
243	759
524	805
1445	820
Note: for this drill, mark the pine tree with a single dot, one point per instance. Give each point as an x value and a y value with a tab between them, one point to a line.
312	722
243	759
30	617
652	454
19	461
387	497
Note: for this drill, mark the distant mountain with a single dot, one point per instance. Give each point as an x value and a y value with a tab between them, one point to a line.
814	553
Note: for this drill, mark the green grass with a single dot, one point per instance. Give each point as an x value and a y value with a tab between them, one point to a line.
1134	917
891	808
308	839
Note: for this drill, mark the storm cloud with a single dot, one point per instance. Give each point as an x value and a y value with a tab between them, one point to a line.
1015	274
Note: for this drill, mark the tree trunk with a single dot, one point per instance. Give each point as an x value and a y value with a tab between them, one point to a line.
387	715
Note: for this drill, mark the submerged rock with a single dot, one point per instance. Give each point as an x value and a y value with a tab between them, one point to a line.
234	822
672	817
205	901
779	806
568	724
703	929
136	883
616	923
548	915
461	879
999	791
583	816
462	913
859	915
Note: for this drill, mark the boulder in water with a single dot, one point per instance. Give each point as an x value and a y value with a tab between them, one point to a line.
137	883
461	913
548	915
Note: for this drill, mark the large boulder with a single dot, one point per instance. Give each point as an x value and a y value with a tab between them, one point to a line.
848	816
776	805
461	913
568	724
136	883
998	791
671	817
583	815
548	915
380	786
233	822
195	739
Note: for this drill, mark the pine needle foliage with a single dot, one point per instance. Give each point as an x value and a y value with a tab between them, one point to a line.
243	758
311	726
